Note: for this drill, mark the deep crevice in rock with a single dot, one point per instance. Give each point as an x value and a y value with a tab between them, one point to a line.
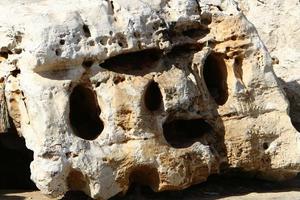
153	97
84	113
86	30
183	133
134	63
215	76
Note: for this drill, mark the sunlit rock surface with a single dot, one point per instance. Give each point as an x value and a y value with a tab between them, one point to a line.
161	93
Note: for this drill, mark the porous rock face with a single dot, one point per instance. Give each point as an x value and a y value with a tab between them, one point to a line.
162	93
280	30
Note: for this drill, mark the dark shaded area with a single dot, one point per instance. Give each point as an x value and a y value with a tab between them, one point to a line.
15	164
144	176
84	113
87	63
153	97
215	76
76	180
296	125
196	32
118	79
183	133
292	90
135	63
62	42
15	72
76	195
179	50
217	186
4	54
86	30
58	52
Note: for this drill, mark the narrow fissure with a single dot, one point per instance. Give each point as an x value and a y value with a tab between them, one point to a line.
153	97
86	31
215	76
85	113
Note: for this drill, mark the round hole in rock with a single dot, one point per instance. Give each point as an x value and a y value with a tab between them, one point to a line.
215	76
84	113
62	42
145	176
87	63
265	145
183	133
76	181
133	63
58	52
153	96
3	54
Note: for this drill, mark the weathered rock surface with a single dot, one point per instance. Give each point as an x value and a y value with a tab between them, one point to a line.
163	93
279	28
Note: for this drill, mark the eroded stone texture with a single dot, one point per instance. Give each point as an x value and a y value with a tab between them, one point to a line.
162	93
280	30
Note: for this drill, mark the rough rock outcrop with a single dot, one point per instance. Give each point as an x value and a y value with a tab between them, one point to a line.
163	93
279	28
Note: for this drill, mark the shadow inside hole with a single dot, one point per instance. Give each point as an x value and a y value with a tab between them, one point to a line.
196	33
77	182
3	54
153	97
145	176
86	30
134	63
183	133
15	161
215	76
87	63
85	113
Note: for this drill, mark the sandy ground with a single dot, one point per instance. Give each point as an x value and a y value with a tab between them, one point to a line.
218	187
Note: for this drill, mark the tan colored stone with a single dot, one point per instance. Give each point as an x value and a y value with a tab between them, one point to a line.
163	93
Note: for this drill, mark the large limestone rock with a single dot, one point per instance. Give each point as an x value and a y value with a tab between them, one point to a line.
279	28
163	93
